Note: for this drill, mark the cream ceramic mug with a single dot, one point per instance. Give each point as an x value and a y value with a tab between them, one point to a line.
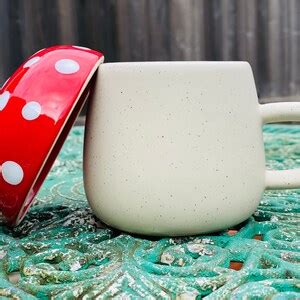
176	148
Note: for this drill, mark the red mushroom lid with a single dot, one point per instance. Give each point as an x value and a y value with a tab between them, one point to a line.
38	106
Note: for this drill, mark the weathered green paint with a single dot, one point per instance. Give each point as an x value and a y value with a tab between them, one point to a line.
61	251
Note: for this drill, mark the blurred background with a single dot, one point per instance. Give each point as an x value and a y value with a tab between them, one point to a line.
266	33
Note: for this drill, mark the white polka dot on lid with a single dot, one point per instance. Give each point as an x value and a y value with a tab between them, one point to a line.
4	97
31	62
12	172
67	66
31	110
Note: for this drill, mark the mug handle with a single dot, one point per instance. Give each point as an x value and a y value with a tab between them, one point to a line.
281	112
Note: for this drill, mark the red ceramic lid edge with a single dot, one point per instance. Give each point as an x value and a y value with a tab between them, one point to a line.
67	97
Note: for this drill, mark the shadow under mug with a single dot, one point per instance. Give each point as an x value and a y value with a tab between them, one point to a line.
176	148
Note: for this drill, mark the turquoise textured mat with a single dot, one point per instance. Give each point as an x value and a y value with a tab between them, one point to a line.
61	251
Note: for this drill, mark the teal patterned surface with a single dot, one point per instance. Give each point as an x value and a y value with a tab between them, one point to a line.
61	251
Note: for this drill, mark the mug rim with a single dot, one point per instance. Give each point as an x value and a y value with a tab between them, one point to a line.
177	62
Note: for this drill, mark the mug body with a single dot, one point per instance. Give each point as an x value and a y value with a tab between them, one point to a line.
174	148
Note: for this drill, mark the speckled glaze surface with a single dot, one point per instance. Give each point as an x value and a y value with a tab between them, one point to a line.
38	105
176	148
62	251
